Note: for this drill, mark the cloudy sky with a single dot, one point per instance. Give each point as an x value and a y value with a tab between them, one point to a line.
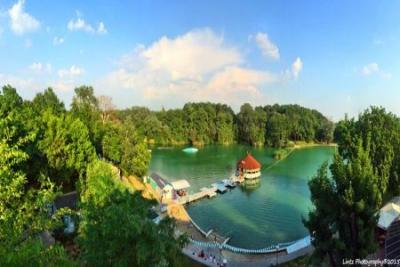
336	56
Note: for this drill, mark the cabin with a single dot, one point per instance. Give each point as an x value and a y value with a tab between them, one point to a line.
248	167
166	189
162	186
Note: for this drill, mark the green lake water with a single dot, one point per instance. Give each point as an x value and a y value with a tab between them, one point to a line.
255	217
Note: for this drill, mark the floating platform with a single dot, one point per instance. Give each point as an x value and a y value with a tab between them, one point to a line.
220	187
204	192
229	183
190	150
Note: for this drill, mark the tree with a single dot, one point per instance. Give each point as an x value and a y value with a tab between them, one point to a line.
24	213
343	222
48	100
85	106
107	205
135	156
9	100
381	130
67	147
106	107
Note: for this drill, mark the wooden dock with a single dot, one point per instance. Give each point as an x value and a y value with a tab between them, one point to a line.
204	192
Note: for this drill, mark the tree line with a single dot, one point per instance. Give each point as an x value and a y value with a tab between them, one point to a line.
47	150
209	123
348	193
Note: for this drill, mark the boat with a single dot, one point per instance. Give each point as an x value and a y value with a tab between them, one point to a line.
229	183
190	150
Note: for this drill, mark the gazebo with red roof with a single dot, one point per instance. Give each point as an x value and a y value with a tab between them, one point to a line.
249	167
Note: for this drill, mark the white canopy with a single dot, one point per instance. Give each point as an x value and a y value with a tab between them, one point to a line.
387	215
180	184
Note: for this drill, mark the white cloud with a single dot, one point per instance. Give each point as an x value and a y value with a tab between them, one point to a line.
198	65
22	22
71	72
58	40
370	68
101	29
38	67
267	47
297	66
79	24
374	69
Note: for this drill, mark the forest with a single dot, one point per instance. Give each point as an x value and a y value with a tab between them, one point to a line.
208	123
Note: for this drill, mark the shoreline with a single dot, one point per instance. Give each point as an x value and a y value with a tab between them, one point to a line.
185	225
299	146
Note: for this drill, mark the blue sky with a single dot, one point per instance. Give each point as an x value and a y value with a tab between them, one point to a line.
336	56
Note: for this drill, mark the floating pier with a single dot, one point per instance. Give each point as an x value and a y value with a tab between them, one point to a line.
219	187
204	192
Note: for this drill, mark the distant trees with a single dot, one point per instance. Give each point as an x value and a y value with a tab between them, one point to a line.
206	123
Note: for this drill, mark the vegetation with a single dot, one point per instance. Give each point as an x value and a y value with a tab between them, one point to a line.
364	173
46	150
110	235
206	123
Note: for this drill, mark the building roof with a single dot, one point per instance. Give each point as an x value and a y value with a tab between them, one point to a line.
68	200
180	184
387	215
161	182
249	163
392	242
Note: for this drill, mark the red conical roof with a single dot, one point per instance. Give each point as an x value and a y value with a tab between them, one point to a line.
249	163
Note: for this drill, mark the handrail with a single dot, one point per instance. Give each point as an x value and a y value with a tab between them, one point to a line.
272	248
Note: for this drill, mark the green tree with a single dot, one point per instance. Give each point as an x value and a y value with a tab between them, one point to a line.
48	100
106	206
85	106
135	156
24	212
343	222
67	147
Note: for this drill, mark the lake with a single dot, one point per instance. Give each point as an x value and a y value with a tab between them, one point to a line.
254	217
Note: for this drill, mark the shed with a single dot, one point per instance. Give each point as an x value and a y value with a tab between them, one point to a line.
162	186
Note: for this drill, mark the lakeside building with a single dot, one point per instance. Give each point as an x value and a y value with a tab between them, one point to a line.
388	229
248	168
167	190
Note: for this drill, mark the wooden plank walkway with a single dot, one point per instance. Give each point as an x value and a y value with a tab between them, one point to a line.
204	192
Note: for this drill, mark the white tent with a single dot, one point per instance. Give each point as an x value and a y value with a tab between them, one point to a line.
180	184
388	214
